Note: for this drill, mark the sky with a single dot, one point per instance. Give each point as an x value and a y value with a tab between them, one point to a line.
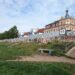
30	14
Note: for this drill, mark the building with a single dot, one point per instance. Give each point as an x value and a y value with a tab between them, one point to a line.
64	28
26	34
37	36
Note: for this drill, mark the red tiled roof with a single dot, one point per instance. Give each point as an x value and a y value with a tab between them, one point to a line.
40	30
26	33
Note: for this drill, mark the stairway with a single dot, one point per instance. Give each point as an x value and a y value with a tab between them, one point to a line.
71	53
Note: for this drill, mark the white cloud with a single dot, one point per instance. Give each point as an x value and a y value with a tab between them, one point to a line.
27	14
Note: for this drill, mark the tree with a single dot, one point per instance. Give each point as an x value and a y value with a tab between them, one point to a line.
11	33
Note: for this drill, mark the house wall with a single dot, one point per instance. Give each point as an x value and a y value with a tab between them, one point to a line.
52	30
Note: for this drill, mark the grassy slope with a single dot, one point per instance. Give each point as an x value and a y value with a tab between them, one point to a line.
31	68
13	50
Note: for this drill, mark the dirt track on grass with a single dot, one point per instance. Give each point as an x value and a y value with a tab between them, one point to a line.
44	58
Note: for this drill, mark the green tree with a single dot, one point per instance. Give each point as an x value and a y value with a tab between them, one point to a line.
11	33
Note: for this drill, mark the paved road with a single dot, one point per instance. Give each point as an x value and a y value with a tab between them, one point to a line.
41	58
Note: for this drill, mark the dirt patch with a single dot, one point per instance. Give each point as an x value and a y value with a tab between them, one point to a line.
43	58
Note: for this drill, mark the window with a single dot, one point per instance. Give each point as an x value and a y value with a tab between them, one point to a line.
59	22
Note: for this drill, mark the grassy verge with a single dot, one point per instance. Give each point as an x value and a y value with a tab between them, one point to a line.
14	50
40	68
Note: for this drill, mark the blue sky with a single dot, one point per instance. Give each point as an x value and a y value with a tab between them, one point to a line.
28	14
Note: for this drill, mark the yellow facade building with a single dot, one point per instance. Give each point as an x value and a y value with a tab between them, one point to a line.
67	23
64	28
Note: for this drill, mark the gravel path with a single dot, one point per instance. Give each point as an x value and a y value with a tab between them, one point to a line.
43	58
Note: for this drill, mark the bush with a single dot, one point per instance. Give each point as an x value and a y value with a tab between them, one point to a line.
57	53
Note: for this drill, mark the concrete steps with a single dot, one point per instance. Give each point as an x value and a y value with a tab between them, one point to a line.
71	53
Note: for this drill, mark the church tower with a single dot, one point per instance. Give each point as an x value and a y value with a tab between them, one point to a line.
67	15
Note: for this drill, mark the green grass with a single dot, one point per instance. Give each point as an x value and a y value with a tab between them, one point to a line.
40	68
14	50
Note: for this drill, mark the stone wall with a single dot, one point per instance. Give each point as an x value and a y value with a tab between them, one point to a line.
22	39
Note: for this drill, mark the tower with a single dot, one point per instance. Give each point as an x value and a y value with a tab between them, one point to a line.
67	15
